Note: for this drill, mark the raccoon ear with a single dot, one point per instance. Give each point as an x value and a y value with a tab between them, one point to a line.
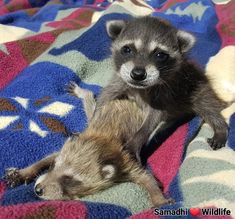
115	27
186	40
108	171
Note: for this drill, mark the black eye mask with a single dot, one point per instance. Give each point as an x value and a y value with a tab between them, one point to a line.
67	182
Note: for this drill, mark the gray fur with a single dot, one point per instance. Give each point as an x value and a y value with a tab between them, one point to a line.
179	87
96	158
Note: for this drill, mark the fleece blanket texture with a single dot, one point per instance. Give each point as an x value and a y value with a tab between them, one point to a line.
46	44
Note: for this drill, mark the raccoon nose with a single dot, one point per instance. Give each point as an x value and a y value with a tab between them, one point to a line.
138	74
38	190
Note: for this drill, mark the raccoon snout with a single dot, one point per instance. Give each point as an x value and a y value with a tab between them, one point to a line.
38	190
138	74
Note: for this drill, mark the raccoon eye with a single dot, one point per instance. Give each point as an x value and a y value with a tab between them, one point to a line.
126	50
68	181
161	56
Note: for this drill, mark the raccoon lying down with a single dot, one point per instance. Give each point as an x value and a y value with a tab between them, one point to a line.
94	159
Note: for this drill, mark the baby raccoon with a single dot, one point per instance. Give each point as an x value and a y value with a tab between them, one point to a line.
95	159
151	68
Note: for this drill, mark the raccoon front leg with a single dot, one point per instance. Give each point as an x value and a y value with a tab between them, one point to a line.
14	176
208	106
220	127
151	185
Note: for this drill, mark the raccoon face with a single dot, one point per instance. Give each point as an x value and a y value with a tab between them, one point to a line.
147	50
81	169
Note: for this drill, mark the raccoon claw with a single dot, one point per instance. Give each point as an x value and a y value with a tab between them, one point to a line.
169	201
74	135
12	177
215	144
75	90
71	88
12	172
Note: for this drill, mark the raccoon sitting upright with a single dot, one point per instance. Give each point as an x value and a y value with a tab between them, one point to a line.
151	67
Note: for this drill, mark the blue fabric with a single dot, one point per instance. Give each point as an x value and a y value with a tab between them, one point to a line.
97	41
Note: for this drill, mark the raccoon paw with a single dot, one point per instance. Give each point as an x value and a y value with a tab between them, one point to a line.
71	88
216	143
75	90
165	201
219	139
13	177
170	201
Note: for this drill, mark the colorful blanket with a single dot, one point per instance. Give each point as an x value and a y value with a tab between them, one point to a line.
46	44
